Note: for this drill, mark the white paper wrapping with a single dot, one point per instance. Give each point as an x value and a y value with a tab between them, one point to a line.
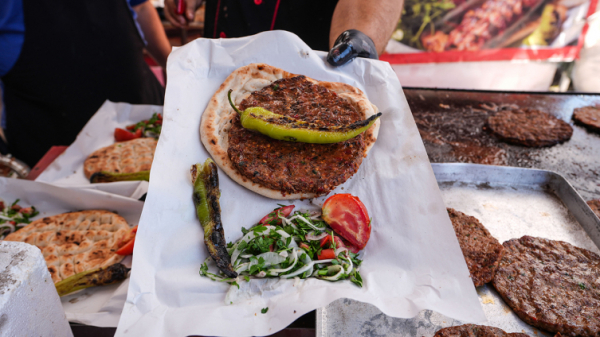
412	261
98	306
67	169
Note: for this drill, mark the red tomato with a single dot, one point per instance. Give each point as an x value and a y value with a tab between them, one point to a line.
304	245
127	248
122	135
273	219
327	241
348	217
326	254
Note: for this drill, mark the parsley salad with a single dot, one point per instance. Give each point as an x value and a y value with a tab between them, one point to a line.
14	217
285	245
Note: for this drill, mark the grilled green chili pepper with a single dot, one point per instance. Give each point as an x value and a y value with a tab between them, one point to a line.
108	177
289	129
90	278
206	198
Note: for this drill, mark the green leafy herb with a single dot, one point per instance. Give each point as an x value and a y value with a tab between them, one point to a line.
264	310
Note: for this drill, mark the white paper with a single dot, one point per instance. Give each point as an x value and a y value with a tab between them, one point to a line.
412	261
98	306
67	169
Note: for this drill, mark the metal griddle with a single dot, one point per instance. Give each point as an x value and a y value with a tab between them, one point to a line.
453	128
510	202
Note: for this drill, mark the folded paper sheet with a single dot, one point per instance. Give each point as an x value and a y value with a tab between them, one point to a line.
67	169
412	261
97	306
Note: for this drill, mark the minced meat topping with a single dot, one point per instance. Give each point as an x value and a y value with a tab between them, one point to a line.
297	167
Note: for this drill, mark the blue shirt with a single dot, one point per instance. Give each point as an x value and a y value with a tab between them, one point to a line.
12	31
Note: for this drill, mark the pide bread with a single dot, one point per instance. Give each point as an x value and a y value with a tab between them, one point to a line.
261	80
75	242
124	157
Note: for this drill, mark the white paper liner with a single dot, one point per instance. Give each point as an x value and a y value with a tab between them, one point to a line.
98	306
412	261
67	169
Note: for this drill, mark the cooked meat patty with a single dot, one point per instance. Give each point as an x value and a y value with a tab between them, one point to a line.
297	167
481	250
588	116
472	330
595	206
529	127
551	285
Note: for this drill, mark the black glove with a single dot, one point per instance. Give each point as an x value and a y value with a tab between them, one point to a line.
349	45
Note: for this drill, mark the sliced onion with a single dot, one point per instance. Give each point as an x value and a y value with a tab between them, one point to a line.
271	258
246	256
339	250
299	271
283	253
310	236
282	233
242	267
294	256
248	237
308	223
336	276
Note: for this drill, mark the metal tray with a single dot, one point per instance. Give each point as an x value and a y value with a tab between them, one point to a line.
510	202
453	127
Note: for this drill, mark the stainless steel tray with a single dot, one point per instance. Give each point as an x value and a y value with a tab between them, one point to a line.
510	202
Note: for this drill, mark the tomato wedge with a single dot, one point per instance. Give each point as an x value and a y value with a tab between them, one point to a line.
127	248
273	218
348	217
326	254
122	135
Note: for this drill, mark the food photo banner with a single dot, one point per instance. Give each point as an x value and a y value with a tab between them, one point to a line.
433	31
412	261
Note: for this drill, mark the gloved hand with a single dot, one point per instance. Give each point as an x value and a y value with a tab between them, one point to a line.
349	45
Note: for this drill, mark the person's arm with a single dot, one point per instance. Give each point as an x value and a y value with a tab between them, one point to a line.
181	20
377	19
154	33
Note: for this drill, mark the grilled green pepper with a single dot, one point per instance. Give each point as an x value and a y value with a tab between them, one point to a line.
91	278
108	177
292	130
206	199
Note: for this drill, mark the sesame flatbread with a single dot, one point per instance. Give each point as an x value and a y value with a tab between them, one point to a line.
124	157
75	242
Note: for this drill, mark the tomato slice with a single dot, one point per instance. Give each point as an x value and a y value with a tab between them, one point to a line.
326	254
273	218
327	241
122	135
127	248
348	217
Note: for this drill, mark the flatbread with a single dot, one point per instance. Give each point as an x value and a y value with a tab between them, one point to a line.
75	242
134	155
217	117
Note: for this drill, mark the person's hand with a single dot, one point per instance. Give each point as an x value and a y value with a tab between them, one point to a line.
349	45
181	19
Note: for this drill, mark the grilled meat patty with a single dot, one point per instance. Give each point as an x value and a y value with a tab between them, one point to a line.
551	285
481	250
588	116
297	167
595	206
529	127
472	330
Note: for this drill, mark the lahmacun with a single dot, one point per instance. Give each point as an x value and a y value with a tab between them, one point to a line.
280	169
75	242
